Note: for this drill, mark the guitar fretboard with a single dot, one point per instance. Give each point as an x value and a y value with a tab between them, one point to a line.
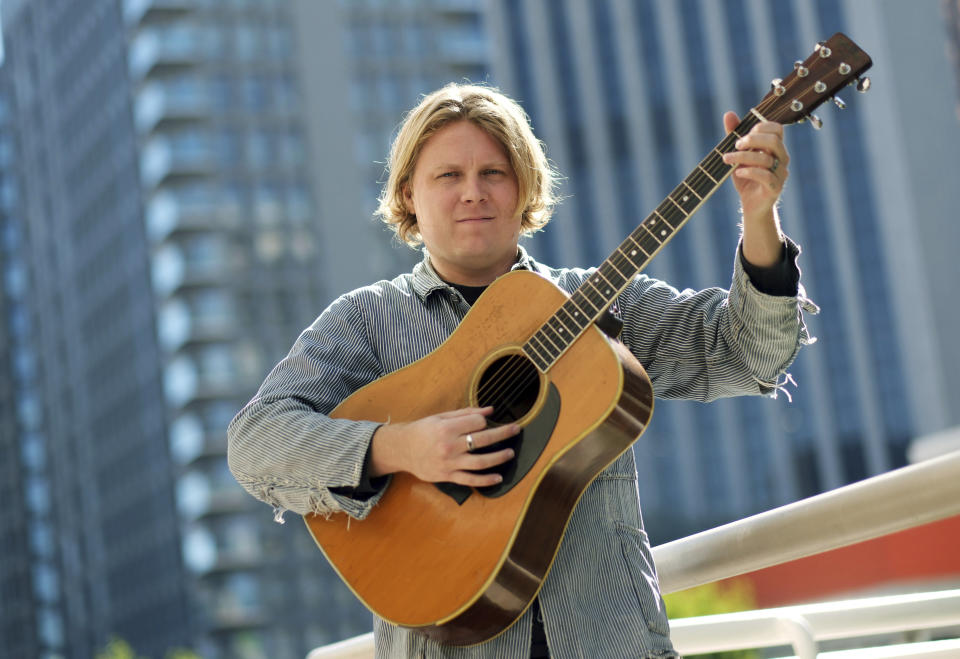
598	292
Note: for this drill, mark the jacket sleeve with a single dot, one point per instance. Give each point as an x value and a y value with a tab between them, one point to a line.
709	344
283	447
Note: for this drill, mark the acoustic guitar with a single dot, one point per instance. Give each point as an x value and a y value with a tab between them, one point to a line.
460	565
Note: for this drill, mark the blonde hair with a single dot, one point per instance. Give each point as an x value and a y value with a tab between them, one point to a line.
498	116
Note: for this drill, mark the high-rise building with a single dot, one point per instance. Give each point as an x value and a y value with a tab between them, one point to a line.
628	96
262	129
98	545
199	179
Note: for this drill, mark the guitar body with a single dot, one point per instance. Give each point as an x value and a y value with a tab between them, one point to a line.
462	572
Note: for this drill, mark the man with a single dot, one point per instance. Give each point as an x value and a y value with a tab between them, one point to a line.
468	179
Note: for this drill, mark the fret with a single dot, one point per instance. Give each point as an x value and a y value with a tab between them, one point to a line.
561	334
686	202
707	172
553	343
701	183
669	213
543	347
536	355
635	252
583	302
718	169
619	262
593	295
575	313
674	215
644	238
605	289
657	227
649	227
573	319
612	276
692	186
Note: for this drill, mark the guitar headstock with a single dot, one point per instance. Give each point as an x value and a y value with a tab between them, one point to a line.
833	65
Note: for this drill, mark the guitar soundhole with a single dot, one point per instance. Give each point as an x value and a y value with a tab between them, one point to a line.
511	384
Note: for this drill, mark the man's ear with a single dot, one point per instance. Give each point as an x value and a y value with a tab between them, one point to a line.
407	195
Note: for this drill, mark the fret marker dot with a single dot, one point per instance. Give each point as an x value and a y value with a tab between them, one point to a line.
663	232
633	252
608	291
685	197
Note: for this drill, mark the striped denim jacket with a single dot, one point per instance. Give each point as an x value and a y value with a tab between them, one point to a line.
601	598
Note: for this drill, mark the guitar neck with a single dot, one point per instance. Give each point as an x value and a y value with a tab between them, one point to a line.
598	292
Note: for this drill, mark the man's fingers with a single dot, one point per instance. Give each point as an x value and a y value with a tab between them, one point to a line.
471	479
493	435
730	121
481	461
465	411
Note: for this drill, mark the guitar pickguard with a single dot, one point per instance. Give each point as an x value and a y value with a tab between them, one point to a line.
528	444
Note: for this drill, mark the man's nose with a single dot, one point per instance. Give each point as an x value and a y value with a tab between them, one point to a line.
474	189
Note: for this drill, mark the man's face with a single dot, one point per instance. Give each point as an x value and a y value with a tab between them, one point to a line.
464	193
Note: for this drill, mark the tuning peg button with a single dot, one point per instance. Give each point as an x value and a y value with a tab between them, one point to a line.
816	121
863	84
839	103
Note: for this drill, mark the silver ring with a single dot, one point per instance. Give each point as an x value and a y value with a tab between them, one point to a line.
773	167
470	445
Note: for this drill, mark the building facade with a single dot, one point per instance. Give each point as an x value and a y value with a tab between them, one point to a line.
99	532
192	173
628	96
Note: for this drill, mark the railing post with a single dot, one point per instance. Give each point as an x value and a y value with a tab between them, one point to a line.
801	635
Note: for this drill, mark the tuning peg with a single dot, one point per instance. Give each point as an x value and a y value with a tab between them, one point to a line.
839	103
863	84
816	121
777	86
802	71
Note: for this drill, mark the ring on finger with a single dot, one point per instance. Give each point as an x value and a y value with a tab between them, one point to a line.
776	163
470	445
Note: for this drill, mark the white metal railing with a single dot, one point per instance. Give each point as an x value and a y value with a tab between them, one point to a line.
897	500
945	649
803	626
894	501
